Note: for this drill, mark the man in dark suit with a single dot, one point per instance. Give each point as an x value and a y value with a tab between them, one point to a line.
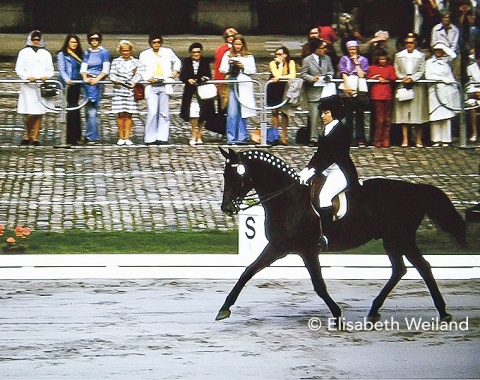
316	68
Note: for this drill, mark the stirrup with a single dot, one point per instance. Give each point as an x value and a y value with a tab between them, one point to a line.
323	242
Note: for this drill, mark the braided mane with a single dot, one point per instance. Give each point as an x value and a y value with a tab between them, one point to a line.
276	163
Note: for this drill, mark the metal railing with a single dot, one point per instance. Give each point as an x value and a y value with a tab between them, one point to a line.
62	107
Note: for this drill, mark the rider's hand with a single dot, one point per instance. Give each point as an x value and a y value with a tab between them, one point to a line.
305	175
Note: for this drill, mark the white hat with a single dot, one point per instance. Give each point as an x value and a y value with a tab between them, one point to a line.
445	48
382	34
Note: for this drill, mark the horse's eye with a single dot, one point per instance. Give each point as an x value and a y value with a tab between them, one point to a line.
241	169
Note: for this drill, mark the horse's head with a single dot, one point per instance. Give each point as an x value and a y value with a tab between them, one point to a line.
237	182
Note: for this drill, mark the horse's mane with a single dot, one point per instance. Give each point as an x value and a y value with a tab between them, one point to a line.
276	163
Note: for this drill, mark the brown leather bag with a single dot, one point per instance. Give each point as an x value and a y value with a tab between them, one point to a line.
139	91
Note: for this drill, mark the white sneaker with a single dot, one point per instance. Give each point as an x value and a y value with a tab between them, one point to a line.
192	142
199	141
121	142
128	142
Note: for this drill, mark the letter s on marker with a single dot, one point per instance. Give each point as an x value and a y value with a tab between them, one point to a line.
249	223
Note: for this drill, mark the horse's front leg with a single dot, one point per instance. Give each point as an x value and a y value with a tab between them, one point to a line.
312	263
268	256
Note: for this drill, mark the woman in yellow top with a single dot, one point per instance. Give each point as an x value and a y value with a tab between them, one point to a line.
282	67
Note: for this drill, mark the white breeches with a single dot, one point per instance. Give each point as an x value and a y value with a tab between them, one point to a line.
334	184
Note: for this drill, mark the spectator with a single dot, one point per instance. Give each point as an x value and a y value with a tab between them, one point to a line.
94	68
161	63
382	99
326	33
282	67
195	70
69	59
239	63
410	67
223	89
34	62
126	71
329	50
473	92
430	17
448	34
379	43
316	69
437	68
353	67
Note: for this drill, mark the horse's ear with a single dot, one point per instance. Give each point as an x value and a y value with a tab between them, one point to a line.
224	153
232	154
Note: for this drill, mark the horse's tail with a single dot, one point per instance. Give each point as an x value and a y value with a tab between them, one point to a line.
442	212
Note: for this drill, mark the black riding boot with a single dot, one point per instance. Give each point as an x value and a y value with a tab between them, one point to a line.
326	219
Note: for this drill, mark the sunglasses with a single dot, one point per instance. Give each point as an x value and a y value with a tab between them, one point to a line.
196	51
94	38
36	39
156	42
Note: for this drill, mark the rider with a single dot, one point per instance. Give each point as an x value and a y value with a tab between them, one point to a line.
332	160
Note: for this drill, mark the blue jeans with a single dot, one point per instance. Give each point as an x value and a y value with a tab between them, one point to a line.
91	120
236	126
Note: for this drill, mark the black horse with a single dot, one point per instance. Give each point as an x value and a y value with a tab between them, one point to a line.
379	209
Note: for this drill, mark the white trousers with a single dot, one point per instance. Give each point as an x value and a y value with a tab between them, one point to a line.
157	126
335	183
441	131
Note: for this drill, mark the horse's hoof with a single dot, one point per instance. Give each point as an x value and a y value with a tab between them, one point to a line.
447	318
223	314
374	318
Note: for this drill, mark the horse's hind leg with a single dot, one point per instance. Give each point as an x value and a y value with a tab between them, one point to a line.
269	255
315	270
423	267
398	271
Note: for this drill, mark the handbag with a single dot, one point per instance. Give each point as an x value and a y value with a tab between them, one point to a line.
207	91
139	91
48	90
272	136
404	94
329	90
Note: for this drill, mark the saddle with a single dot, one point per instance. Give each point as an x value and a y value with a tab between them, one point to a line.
340	202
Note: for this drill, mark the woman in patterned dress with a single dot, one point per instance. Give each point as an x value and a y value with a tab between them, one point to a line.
125	72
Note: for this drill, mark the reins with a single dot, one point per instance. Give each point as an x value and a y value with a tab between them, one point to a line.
267	198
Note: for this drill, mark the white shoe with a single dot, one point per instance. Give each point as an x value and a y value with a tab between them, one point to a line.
121	142
473	138
128	142
192	142
199	141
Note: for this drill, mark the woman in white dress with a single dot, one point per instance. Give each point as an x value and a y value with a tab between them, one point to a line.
34	63
125	72
441	94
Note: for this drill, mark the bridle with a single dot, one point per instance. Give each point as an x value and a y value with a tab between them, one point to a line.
237	202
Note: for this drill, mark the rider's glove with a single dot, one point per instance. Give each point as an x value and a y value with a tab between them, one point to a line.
306	174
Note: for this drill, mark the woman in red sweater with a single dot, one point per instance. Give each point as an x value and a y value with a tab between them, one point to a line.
382	97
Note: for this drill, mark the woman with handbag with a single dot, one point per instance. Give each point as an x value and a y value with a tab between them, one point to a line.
69	59
282	67
354	69
125	73
410	67
34	63
239	64
195	71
